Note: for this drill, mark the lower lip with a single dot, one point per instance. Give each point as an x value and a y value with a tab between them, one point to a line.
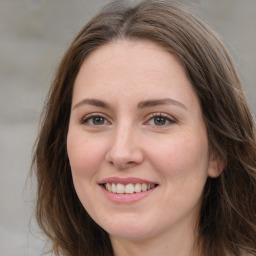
126	198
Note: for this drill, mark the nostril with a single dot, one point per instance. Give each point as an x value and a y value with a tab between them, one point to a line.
122	164
124	157
130	163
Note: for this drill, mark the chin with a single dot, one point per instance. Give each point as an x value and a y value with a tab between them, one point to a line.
131	235
129	230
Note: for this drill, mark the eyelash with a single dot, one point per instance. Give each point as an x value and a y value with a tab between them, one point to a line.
151	117
165	117
86	119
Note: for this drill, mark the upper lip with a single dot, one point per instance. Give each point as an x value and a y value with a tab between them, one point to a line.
125	181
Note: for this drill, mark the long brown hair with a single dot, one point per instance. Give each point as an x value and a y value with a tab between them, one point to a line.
226	224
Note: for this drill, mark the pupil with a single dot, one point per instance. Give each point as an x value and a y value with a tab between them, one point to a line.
160	121
98	120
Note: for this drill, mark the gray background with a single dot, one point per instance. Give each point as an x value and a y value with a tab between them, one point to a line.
33	36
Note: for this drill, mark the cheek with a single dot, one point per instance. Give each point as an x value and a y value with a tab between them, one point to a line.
181	156
84	155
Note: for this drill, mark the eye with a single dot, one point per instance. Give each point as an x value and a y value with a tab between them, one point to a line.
95	120
159	119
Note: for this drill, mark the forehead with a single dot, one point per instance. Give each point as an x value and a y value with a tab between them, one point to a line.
132	67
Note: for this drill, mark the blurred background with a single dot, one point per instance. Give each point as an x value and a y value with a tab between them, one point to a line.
33	37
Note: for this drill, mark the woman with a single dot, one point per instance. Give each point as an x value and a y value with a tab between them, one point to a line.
147	146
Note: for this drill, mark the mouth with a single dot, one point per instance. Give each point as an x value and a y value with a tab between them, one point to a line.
130	188
127	190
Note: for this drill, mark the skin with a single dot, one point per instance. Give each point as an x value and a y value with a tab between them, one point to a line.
129	141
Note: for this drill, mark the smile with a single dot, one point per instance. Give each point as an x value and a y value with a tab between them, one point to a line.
130	188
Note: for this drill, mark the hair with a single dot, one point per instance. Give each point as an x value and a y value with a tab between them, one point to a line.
226	225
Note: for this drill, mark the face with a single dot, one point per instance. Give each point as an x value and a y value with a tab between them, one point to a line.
137	142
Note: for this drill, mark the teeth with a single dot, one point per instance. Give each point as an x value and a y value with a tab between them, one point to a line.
144	187
108	187
129	188
119	188
137	188
113	188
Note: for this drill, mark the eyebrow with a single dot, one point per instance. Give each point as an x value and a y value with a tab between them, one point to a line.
157	102
94	102
142	104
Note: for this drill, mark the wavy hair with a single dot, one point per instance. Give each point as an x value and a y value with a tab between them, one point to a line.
227	221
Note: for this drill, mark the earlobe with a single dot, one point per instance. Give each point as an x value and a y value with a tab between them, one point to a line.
216	167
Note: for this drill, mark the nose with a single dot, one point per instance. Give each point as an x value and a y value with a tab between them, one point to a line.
125	150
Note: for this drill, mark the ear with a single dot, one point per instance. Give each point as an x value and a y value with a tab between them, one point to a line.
216	166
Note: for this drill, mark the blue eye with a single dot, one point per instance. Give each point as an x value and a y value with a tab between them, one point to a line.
94	120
